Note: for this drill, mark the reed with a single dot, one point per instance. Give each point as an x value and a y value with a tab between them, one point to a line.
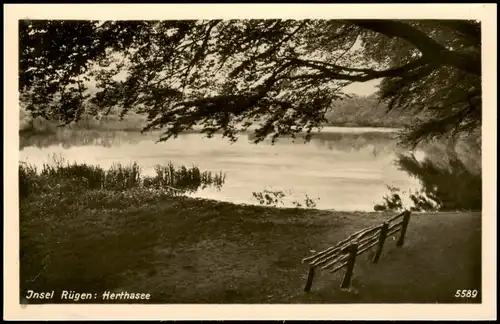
119	177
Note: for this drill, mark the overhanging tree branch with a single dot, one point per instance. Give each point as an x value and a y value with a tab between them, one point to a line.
469	29
426	45
185	62
340	73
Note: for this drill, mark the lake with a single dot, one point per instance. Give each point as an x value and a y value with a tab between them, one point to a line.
340	168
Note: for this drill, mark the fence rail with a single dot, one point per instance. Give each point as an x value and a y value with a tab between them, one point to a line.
344	253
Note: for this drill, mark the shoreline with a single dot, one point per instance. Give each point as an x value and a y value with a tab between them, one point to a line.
51	127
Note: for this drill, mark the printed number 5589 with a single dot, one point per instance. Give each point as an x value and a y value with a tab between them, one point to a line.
466	293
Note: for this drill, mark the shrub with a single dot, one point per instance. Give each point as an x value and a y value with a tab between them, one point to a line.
273	198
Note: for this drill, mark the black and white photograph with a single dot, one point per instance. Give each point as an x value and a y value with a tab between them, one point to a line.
229	158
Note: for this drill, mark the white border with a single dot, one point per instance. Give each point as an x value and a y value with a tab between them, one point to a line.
12	310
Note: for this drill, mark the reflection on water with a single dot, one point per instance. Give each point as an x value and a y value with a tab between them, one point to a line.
348	169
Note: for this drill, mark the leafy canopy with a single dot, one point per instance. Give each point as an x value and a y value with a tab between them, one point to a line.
279	76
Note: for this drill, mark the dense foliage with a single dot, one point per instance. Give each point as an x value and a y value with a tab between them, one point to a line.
225	75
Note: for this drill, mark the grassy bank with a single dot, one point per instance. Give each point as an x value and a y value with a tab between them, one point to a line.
184	250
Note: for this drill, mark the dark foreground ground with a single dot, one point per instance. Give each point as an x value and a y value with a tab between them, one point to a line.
182	250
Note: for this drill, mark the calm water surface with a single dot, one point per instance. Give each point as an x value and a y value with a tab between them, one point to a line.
346	168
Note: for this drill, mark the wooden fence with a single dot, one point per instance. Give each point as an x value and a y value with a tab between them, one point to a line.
344	253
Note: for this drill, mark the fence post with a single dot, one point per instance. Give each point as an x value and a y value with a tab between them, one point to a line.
381	241
404	226
310	277
353	252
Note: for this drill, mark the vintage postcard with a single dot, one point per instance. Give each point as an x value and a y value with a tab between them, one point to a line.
244	161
